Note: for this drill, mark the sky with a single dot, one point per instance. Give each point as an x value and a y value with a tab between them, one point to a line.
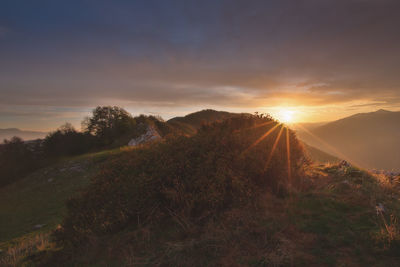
320	60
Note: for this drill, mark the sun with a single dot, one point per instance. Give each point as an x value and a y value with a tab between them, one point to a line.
286	116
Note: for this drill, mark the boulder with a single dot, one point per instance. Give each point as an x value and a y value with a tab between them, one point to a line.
380	209
150	135
38	226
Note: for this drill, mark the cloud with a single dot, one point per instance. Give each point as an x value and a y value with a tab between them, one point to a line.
228	54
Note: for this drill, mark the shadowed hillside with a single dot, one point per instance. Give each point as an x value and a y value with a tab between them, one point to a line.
371	140
178	189
37	202
190	123
237	192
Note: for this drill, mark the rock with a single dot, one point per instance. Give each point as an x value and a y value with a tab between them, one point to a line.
38	226
150	135
344	163
380	208
76	168
50	180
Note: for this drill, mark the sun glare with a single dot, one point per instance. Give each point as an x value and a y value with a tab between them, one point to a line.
286	116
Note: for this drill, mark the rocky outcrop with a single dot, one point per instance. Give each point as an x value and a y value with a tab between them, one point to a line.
150	135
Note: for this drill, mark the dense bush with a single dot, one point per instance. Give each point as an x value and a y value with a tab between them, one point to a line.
186	180
114	126
66	141
108	123
108	127
18	158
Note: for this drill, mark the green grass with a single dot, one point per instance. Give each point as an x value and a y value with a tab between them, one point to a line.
335	223
342	218
40	197
331	223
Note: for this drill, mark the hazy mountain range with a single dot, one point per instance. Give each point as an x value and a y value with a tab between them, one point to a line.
370	140
25	135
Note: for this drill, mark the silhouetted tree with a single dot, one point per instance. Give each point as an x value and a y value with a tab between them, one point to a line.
16	159
108	123
67	141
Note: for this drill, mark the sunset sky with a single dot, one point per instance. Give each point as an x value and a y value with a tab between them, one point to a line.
319	60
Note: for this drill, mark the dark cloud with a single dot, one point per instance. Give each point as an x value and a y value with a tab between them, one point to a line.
193	53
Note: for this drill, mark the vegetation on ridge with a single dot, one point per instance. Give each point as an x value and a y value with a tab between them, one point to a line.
225	196
108	127
185	183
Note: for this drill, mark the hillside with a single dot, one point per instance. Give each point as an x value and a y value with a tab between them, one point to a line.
236	192
190	123
302	126
371	140
36	203
25	135
222	197
318	156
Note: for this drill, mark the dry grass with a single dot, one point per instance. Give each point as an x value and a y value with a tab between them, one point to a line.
389	231
15	254
328	218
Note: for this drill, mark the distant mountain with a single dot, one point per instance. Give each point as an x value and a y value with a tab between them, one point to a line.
190	123
371	140
25	135
298	127
319	156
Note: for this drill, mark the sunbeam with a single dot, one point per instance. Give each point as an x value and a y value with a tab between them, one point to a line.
340	154
262	137
288	156
274	147
255	126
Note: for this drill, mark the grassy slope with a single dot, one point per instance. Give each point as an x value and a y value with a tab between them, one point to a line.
332	222
40	197
339	215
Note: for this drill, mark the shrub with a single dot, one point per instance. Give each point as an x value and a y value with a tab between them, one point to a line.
66	141
17	158
186	180
114	126
108	123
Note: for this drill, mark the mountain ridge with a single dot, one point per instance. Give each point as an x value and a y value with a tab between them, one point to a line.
371	140
7	133
191	122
